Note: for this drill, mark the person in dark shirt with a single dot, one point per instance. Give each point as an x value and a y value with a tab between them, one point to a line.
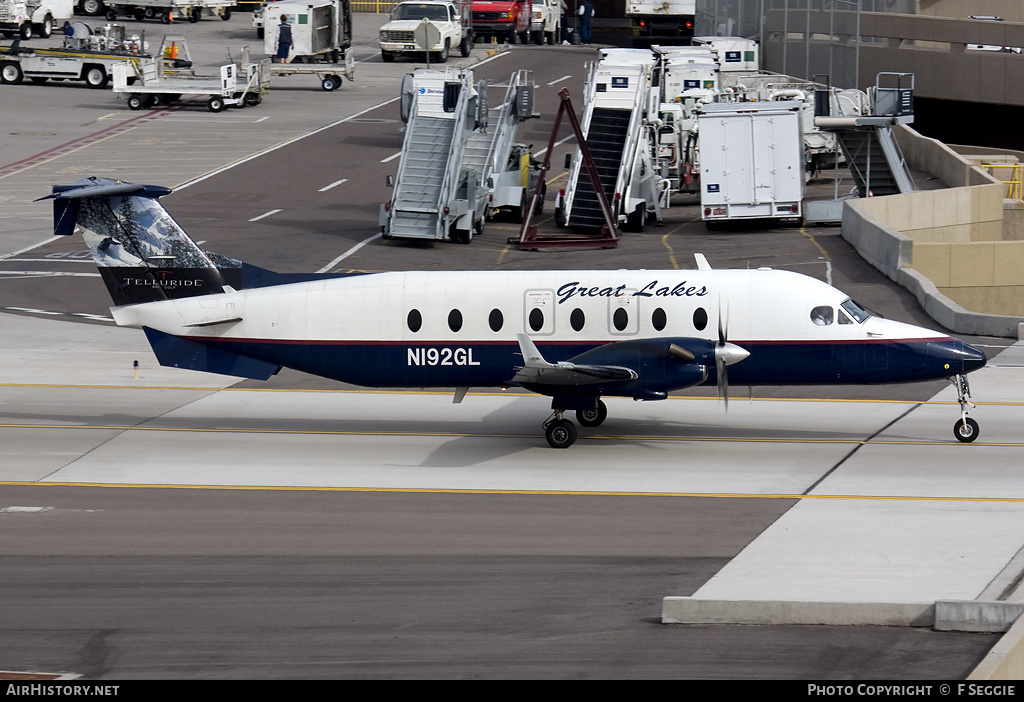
284	40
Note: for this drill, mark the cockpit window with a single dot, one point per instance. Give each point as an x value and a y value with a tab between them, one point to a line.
843	318
856	311
822	315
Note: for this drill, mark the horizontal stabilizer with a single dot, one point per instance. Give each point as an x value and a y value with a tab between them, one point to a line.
176	352
215	322
537	371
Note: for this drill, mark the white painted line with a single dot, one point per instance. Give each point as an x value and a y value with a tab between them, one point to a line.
392	157
559	80
348	253
332	185
265	214
285	143
260	120
557	143
29	248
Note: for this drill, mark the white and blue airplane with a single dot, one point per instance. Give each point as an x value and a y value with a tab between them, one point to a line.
575	336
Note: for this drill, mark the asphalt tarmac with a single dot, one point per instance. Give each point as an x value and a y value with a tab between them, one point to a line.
310	532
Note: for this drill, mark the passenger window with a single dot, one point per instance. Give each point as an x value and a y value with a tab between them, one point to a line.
577	319
415	320
620	319
536	319
496	320
700	319
659	319
455	320
822	315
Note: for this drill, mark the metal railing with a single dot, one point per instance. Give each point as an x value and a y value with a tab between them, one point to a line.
377	6
1014	190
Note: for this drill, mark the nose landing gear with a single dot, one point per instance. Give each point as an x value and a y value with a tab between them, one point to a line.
965	429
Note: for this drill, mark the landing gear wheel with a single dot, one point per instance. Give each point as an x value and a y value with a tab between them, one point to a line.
216	104
594	417
966	430
560	433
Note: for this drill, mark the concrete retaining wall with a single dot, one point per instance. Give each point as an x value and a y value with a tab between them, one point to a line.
946	246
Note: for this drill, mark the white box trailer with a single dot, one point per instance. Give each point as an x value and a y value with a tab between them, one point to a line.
321	39
751	161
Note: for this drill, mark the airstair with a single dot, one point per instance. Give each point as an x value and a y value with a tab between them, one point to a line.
615	125
869	146
496	157
435	196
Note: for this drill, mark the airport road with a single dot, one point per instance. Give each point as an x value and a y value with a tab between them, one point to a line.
241	583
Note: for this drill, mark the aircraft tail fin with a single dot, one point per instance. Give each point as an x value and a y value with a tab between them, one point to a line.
143	255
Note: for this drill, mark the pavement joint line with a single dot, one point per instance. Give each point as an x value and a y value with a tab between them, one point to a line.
485	491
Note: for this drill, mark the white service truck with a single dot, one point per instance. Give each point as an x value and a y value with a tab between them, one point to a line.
168	10
546	23
661	21
452	20
88	54
751	161
28	17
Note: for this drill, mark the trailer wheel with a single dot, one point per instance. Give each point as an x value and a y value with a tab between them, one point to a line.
226	14
10	73
216	104
92	7
165	18
96	77
465	47
328	84
45	29
139	15
195	15
252	99
134	102
111	15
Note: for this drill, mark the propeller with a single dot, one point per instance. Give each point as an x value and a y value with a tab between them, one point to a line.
726	354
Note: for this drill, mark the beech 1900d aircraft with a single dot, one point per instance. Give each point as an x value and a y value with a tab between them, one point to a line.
574	336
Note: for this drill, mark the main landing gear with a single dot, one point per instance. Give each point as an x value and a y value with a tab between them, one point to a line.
561	433
965	429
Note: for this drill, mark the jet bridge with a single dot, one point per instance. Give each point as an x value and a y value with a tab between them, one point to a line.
617	97
435	195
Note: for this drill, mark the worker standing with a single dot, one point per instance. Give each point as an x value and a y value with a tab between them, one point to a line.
284	40
586	13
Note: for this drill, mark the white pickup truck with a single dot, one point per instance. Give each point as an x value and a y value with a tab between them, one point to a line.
452	19
546	22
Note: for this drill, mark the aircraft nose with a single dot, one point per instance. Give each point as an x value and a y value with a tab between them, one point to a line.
958	357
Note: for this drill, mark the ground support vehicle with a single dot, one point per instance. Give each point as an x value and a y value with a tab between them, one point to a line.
321	36
236	86
321	29
166	10
452	21
436	196
619	108
28	17
87	54
546	23
752	161
661	21
504	20
328	73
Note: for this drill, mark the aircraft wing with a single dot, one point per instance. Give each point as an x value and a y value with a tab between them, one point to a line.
537	371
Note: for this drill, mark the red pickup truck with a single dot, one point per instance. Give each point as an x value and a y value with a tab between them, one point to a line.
507	20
